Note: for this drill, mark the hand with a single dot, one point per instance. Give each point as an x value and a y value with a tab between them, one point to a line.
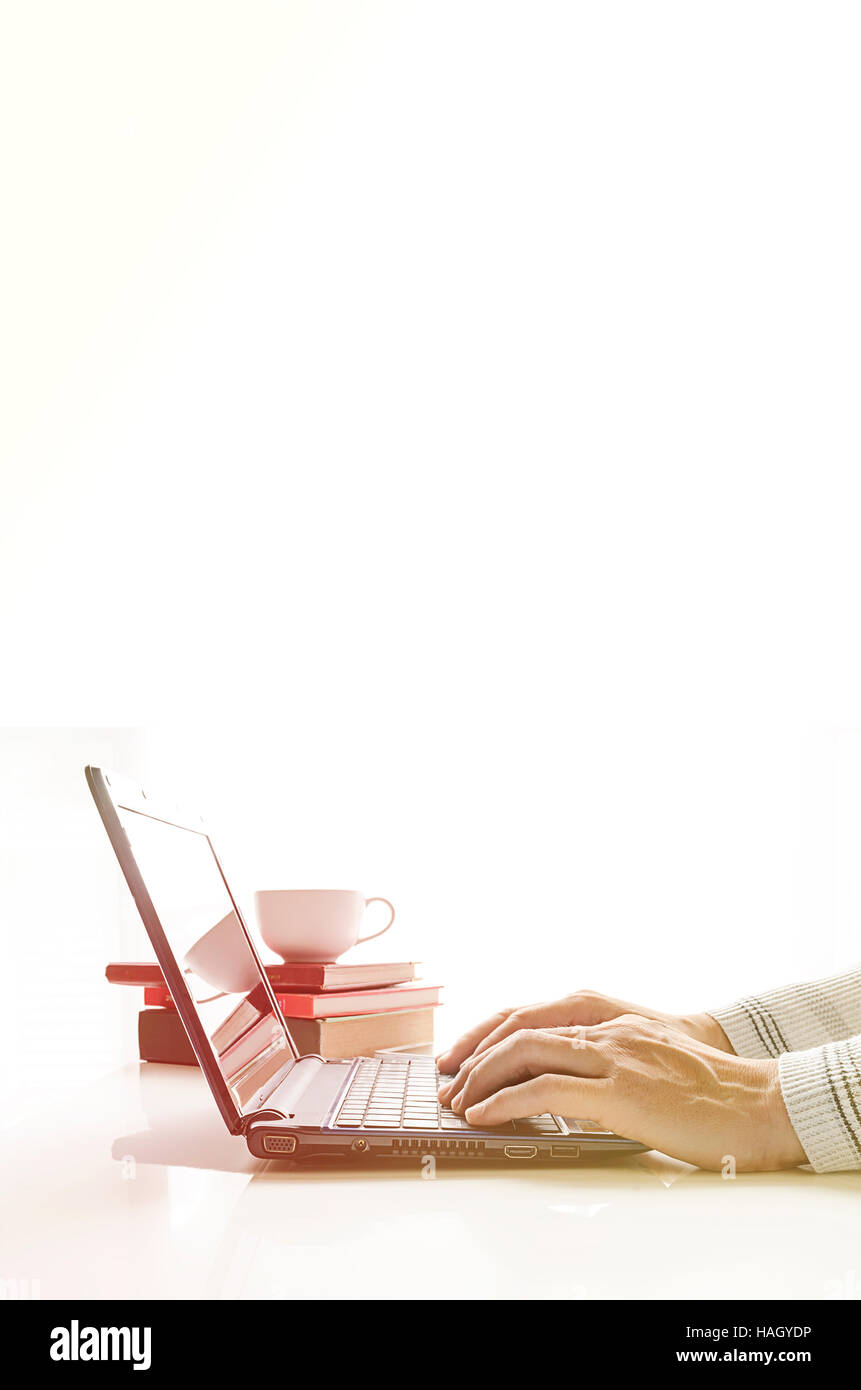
584	1008
640	1078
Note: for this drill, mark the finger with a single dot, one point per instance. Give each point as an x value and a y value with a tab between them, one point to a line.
537	1016
453	1089
525	1055
578	1032
466	1045
588	1098
493	1030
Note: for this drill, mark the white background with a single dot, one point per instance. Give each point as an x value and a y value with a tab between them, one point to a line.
430	445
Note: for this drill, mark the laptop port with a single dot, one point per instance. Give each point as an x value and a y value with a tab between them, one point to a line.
521	1150
279	1143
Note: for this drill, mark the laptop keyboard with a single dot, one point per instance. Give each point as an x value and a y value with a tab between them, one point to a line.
401	1093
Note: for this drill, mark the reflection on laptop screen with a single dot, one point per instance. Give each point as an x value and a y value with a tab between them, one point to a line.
225	982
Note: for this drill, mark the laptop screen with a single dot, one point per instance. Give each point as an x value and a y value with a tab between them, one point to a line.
182	876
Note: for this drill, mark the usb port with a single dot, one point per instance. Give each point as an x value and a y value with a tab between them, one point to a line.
521	1150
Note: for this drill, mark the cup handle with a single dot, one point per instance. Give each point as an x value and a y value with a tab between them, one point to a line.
368	901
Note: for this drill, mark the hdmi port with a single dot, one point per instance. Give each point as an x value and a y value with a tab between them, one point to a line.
521	1150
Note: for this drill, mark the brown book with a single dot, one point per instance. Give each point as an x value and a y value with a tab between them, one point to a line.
358	1035
162	1037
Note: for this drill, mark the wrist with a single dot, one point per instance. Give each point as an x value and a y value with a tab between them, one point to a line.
784	1145
706	1030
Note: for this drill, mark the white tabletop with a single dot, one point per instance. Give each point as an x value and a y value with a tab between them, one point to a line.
135	1189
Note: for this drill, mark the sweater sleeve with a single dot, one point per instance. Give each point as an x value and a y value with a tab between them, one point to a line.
794	1017
814	1030
822	1093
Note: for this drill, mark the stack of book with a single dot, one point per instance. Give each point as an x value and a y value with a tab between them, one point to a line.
332	1009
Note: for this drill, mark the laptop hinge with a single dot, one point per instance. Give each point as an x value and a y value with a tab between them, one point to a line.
258	1103
264	1114
291	1096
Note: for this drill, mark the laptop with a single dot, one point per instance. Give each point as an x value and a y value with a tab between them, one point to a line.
283	1104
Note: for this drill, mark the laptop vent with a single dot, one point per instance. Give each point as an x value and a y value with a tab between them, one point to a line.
463	1148
279	1143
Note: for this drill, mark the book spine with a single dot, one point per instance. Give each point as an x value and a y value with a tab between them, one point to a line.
292	1006
157	997
162	1038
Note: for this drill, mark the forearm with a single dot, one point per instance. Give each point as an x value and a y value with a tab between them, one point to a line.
793	1018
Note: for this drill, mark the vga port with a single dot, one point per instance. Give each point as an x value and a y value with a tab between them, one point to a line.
279	1143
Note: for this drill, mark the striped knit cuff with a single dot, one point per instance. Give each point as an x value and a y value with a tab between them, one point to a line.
750	1028
794	1017
822	1093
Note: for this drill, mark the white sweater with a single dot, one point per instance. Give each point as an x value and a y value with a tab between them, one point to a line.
814	1030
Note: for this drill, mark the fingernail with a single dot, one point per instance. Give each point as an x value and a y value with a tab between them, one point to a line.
475	1112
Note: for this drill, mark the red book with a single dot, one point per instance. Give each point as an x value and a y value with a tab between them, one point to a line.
415	995
298	975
